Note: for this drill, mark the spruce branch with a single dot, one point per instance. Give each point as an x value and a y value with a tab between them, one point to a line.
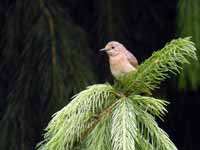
156	68
99	137
98	118
154	106
123	130
40	49
149	130
142	144
72	119
115	116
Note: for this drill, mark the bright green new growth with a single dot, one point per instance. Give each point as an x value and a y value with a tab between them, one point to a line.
106	117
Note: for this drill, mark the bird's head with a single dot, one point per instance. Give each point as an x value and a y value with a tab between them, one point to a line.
113	48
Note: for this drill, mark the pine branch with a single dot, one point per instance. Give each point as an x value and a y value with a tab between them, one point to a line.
155	107
75	116
123	131
142	143
156	68
99	138
117	117
149	130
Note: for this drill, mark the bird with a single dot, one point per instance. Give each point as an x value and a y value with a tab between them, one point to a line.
121	60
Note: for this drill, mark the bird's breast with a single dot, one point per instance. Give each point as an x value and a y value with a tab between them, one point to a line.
120	65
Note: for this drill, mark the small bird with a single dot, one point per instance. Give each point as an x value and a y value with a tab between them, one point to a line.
121	60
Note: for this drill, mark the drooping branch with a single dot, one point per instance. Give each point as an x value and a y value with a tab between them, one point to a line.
40	45
50	19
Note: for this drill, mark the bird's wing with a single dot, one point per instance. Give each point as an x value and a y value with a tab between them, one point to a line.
131	58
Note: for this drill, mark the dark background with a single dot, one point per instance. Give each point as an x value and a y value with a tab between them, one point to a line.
33	86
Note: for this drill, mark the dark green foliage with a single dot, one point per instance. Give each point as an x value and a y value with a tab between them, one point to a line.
188	23
49	55
31	89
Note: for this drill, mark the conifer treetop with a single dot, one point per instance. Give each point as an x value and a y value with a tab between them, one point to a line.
117	117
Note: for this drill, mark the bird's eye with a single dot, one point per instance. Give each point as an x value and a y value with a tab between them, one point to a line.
112	47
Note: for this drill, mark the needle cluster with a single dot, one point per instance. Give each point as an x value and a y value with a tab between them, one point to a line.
117	117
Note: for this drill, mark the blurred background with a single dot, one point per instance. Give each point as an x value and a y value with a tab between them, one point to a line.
49	51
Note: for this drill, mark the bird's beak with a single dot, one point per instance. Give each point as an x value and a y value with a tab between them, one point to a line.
104	49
